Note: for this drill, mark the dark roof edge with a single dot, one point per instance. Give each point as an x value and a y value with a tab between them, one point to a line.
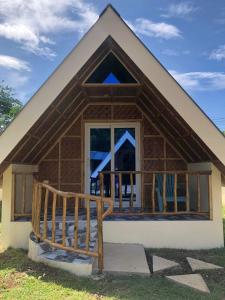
107	7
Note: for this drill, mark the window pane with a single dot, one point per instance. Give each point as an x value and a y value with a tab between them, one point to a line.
124	152
100	157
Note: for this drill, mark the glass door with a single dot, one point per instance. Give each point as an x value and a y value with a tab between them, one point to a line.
113	147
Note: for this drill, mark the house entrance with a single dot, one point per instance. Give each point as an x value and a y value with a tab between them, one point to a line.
112	148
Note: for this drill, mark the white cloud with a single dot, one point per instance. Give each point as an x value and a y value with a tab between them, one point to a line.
31	22
172	52
218	54
180	10
200	81
159	30
10	62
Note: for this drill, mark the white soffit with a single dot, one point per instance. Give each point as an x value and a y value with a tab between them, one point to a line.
111	24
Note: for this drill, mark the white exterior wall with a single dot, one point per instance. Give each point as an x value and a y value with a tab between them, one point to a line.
174	234
171	234
223	196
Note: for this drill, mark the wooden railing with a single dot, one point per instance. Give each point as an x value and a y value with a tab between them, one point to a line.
180	192
45	199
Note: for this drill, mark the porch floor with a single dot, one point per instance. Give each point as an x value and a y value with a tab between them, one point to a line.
127	215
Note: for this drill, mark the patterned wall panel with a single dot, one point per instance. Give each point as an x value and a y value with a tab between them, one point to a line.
129	112
70	147
97	112
157	154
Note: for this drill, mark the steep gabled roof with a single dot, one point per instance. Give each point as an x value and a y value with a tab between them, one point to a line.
110	24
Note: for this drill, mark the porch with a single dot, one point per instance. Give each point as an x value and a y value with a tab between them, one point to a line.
78	223
134	195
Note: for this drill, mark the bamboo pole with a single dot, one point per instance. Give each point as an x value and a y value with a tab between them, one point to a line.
76	222
64	221
112	183
153	192
131	190
120	191
175	193
53	216
187	193
100	236
46	214
101	177
198	193
39	194
23	192
88	224
13	196
33	205
142	189
210	197
164	193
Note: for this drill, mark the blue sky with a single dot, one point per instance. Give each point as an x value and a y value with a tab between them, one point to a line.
188	37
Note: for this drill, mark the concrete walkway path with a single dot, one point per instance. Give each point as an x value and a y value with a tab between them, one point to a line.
125	258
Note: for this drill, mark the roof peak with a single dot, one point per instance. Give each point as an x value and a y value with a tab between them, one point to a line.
109	6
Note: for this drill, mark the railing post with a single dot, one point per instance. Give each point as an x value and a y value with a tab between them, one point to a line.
153	192
64	221
34	205
76	221
164	193
23	193
120	191
38	213
53	216
100	236
210	197
142	189
198	193
46	214
13	196
187	193
88	224
112	183
131	190
101	178
175	192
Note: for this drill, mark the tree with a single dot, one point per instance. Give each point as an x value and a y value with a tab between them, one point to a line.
9	105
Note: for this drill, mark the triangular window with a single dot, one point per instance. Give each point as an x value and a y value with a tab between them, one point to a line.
111	71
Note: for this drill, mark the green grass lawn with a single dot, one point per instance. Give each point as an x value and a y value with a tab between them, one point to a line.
20	278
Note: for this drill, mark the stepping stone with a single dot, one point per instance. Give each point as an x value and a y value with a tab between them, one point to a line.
194	281
125	259
161	264
197	264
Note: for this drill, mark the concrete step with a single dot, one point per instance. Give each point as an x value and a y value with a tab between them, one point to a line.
125	259
75	263
78	264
